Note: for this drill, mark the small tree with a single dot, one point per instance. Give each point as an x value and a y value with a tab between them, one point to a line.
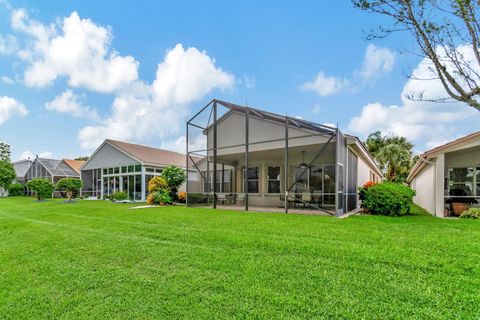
174	176
7	175
70	185
43	188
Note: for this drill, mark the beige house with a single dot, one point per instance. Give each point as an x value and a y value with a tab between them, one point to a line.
127	167
293	165
447	178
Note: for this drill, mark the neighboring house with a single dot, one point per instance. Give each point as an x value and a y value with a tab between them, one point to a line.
21	168
293	164
121	166
450	172
52	169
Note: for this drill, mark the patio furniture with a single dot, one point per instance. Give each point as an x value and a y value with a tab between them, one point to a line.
241	198
221	197
306	198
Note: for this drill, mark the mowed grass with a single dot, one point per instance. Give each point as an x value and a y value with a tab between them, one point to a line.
99	260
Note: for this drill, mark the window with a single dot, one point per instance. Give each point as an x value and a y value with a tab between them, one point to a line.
461	181
105	171
316	179
124	169
131	168
252	180
477	193
273	179
150	170
138	168
110	170
227	178
301	179
117	170
138	187
158	170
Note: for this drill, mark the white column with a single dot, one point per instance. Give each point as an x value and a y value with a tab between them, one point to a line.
143	183
439	185
101	184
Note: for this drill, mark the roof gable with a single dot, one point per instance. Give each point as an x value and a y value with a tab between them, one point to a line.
150	155
108	155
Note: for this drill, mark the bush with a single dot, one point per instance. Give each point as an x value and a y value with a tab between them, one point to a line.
182	197
70	185
119	196
157	184
364	188
389	199
159	197
174	176
150	199
15	190
43	188
472	213
162	197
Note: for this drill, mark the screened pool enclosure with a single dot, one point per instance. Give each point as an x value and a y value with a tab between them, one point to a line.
51	169
248	159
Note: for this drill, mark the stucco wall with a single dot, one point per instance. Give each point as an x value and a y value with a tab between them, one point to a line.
363	172
424	186
231	132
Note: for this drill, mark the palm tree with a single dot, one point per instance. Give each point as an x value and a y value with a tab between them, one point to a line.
394	155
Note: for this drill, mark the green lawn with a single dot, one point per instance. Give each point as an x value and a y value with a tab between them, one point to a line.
98	260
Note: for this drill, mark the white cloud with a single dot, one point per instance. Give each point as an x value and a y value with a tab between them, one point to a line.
8	44
426	123
159	109
9	107
325	85
75	48
69	103
195	143
377	61
316	109
248	81
29	155
7	80
329	124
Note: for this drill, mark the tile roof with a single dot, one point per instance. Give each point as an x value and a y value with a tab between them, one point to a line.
74	164
150	155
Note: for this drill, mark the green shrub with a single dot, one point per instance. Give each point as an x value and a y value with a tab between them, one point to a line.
15	190
389	199
119	196
472	213
161	197
70	185
43	188
174	176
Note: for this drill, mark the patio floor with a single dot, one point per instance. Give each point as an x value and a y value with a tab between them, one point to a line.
274	209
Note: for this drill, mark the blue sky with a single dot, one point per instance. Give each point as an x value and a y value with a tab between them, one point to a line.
152	64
